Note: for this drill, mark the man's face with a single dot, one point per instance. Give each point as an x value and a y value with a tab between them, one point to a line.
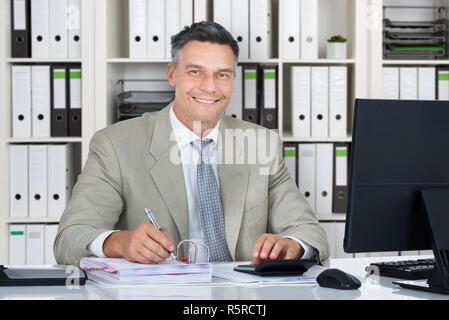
203	82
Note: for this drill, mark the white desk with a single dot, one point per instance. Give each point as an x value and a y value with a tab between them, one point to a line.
373	288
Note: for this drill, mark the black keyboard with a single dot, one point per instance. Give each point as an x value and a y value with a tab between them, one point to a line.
408	269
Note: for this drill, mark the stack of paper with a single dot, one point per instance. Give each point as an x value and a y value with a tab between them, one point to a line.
123	272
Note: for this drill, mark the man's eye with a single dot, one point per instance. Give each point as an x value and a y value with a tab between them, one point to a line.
194	71
223	75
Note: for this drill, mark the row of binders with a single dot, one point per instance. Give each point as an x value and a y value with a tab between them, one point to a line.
319	101
32	244
41	179
300	29
416	83
255	95
151	25
250	23
46	29
46	100
409	83
321	174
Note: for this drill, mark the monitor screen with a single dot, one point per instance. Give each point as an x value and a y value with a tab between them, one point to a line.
399	148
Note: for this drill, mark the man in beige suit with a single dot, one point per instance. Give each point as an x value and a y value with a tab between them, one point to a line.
144	163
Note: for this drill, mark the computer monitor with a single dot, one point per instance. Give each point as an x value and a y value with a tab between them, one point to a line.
399	148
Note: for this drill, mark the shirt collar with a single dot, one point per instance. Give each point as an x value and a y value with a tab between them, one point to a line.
185	136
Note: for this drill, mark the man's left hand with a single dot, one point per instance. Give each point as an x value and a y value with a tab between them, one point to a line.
273	247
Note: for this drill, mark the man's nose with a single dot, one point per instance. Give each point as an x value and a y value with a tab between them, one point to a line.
208	84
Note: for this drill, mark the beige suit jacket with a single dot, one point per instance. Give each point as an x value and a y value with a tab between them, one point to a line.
130	167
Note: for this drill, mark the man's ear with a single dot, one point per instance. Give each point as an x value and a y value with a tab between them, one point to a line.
171	74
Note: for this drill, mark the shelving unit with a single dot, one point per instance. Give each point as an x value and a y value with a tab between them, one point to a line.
105	59
88	90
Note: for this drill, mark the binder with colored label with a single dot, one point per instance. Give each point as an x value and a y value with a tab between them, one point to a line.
250	110
75	102
269	108
340	192
59	110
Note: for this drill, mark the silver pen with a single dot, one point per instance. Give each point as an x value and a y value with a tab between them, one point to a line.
154	222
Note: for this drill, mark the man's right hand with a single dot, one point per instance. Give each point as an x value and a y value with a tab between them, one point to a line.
145	244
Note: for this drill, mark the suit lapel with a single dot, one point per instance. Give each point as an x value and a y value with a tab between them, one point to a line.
167	173
233	185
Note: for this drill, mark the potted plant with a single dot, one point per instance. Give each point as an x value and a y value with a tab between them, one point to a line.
336	47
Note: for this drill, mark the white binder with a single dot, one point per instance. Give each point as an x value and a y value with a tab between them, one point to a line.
60	177
35	244
290	161
223	13
156	28
324	177
40	109
260	29
201	10
137	28
301	102
320	102
309	29
235	106
50	231
21	101
40	28
187	12
291	24
329	229
74	28
17	244
37	166
443	84
172	22
240	26
306	172
58	29
18	180
391	83
408	83
426	83
338	101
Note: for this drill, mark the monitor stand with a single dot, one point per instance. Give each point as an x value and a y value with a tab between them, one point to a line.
436	203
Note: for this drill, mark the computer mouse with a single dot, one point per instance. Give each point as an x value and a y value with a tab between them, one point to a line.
337	279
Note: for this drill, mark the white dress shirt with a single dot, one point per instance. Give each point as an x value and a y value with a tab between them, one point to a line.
190	159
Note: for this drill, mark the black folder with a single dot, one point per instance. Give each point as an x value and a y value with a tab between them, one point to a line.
289	267
53	276
251	103
269	117
59	107
74	113
340	191
20	29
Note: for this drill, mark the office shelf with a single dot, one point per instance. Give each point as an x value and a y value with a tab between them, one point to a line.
43	60
45	140
105	60
26	220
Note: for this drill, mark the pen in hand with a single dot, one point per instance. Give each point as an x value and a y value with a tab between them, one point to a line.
154	222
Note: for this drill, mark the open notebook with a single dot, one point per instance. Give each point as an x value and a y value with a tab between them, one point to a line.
122	271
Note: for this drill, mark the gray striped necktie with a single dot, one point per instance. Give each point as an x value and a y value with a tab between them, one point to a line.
209	202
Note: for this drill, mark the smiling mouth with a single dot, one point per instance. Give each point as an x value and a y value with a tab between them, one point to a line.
205	101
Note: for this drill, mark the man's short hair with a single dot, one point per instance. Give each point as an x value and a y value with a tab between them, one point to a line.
204	31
